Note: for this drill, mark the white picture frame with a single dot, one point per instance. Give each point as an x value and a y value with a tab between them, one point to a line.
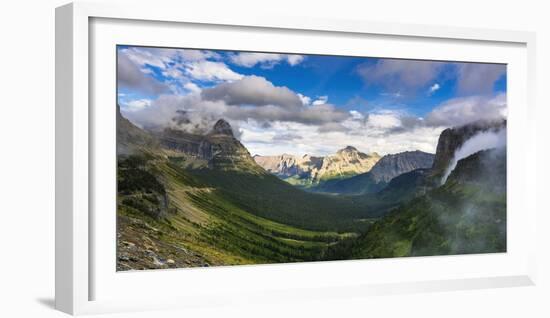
77	251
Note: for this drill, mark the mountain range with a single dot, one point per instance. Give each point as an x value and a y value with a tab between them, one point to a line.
188	200
310	170
387	168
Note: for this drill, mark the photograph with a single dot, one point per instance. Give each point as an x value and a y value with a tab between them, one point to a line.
229	157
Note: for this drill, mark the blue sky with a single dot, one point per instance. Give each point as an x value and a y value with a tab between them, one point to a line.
284	102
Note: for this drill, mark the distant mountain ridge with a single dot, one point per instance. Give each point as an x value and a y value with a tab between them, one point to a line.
311	170
387	168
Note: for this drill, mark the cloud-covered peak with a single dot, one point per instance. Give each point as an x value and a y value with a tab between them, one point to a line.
222	127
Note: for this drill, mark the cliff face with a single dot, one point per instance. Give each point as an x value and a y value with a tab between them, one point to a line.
452	139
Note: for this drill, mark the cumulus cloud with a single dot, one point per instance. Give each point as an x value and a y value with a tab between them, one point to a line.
287	137
192	87
406	76
316	143
210	71
332	127
356	115
164	58
400	74
142	56
136	105
130	76
384	120
476	78
249	99
305	99
253	90
433	88
320	100
189	113
462	110
265	60
178	67
315	115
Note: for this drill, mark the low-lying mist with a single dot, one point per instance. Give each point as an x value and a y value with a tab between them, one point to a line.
480	141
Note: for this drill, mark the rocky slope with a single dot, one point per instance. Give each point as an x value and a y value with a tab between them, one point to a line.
130	139
390	166
310	170
387	168
194	201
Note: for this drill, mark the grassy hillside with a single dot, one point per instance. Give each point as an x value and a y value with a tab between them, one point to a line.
360	184
267	196
170	218
466	215
192	201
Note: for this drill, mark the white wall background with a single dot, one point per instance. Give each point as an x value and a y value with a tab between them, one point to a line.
27	158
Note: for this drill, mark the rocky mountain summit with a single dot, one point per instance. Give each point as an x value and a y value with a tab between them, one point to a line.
311	170
219	148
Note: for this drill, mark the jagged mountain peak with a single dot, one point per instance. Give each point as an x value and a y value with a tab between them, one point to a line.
222	127
348	149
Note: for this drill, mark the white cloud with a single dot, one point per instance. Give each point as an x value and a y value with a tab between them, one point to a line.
463	110
130	76
166	58
383	121
192	87
314	142
247	59
400	74
305	99
477	78
136	105
253	90
251	98
320	100
294	59
434	88
149	56
179	67
356	115
210	71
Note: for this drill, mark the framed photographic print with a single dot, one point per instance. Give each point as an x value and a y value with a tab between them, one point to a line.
265	157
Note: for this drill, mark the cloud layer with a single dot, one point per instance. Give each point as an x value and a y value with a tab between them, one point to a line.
406	76
131	77
462	110
191	89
